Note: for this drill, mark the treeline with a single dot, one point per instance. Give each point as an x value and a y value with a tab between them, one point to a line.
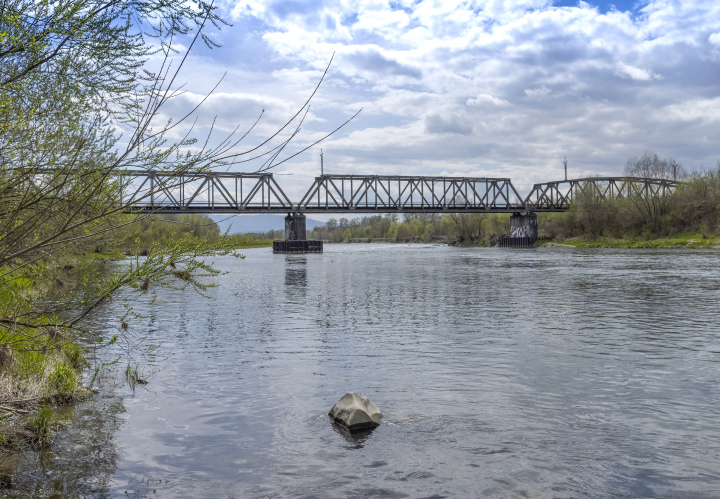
139	236
432	227
156	228
694	206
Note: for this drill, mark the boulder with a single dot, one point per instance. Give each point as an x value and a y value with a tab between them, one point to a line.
356	412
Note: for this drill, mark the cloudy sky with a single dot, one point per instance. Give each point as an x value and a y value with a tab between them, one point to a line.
498	88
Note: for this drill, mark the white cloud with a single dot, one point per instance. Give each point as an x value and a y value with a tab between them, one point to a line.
513	84
538	93
626	71
232	108
453	124
486	99
704	110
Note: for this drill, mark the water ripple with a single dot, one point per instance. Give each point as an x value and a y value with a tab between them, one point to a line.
501	373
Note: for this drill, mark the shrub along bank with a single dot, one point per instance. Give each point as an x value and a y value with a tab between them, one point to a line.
689	216
472	229
40	366
681	240
41	360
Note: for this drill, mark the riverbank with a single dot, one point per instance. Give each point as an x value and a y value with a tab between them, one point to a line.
681	240
41	371
254	243
41	361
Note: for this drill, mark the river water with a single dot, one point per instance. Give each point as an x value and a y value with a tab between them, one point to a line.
500	372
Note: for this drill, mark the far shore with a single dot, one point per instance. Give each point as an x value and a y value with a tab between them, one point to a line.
685	240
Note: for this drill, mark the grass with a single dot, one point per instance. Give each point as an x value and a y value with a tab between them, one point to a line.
684	239
254	243
134	378
33	431
41	370
50	371
41	425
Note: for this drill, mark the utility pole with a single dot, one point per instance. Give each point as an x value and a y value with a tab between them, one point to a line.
322	167
565	165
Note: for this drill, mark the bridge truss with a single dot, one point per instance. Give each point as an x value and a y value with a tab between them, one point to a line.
404	194
259	193
155	192
557	196
203	193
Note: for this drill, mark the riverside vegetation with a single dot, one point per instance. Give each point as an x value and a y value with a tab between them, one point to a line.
71	80
79	104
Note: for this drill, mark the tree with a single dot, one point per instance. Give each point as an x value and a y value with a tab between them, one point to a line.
650	165
467	225
591	214
71	74
651	202
697	202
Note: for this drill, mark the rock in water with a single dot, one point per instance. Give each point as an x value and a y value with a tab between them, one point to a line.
356	412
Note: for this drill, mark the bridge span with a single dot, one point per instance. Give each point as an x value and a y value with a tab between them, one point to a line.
237	193
154	192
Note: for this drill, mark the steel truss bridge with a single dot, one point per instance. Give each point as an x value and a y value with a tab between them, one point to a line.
154	192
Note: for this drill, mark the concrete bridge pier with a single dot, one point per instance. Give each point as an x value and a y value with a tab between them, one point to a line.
296	240
523	231
524	225
295	227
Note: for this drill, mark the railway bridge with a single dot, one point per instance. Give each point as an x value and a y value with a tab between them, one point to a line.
237	193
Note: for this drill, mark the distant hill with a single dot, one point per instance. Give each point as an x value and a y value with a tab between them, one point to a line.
242	224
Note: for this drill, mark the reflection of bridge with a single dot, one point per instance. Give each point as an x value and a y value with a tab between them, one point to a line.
153	192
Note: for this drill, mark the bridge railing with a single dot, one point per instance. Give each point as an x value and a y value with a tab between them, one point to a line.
206	192
405	194
557	196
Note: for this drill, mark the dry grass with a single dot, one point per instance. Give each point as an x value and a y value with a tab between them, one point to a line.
7	358
29	386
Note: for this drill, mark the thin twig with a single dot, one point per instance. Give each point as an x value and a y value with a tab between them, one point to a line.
13	409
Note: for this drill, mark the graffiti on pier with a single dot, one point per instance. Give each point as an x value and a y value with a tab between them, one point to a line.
519	232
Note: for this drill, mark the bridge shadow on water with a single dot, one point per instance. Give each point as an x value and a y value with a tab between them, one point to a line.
296	271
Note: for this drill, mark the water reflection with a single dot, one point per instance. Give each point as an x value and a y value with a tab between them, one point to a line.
355	439
508	373
296	270
82	459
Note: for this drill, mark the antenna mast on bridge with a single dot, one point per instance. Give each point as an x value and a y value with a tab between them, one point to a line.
322	167
565	165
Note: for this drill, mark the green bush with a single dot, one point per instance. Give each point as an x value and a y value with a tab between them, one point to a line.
31	363
63	379
41	425
74	355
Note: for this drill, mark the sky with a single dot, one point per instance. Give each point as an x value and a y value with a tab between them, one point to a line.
498	88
